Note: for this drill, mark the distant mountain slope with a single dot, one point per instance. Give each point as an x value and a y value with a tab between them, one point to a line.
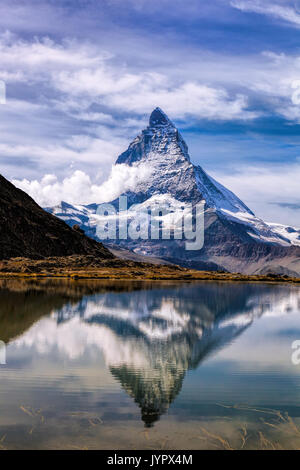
286	231
26	230
235	239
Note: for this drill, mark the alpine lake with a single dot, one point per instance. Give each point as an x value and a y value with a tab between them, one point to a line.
149	365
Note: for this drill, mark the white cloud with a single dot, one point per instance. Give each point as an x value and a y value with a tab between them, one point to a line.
278	9
142	92
86	75
190	98
79	189
42	56
79	75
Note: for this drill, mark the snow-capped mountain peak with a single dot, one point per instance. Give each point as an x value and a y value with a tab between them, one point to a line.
165	152
159	118
235	239
159	141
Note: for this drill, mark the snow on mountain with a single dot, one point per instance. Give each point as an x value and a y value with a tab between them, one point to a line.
286	231
217	196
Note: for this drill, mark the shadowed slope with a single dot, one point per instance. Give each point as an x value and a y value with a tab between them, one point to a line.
27	230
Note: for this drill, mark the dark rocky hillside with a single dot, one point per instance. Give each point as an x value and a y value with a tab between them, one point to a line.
26	230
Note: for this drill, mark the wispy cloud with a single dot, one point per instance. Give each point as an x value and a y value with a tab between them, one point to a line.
285	10
288	205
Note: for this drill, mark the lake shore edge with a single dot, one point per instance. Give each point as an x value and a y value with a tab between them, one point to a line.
87	267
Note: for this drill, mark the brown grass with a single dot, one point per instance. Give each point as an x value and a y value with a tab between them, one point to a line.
87	267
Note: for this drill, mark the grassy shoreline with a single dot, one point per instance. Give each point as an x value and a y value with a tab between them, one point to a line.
87	267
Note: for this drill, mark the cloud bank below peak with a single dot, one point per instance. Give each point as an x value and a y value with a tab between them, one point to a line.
256	186
79	189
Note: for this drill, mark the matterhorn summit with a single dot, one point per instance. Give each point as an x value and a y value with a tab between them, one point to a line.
165	152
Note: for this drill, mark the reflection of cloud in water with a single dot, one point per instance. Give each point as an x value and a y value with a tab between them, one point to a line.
150	338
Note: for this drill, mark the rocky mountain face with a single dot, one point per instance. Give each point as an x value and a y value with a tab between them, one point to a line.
26	230
234	239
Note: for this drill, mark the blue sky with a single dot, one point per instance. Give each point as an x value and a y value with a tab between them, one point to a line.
82	77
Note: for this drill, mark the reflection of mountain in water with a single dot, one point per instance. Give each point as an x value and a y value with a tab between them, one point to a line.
156	385
150	338
166	332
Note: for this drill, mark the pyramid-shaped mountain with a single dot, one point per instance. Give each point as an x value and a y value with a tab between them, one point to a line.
234	240
26	230
162	148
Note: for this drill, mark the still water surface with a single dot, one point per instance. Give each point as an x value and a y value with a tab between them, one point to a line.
95	365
